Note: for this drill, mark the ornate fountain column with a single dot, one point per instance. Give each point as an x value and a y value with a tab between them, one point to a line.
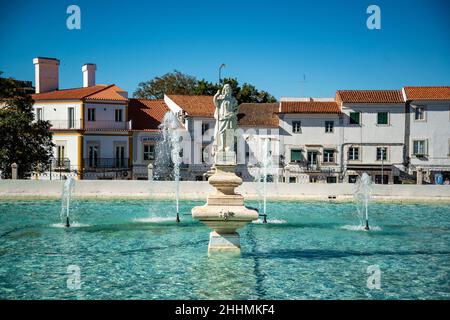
224	211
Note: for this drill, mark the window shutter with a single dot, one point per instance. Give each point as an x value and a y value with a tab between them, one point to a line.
295	155
354	117
382	118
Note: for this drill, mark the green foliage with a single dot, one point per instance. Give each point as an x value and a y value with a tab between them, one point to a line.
170	83
22	140
180	83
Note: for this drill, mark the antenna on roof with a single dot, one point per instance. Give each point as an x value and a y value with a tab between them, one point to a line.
303	81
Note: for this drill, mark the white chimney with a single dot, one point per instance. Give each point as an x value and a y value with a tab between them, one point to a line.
89	74
46	74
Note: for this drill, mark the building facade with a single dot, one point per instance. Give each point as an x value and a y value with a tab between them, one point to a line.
396	136
427	111
90	126
373	134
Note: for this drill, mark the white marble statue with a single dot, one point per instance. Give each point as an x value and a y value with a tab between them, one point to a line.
226	119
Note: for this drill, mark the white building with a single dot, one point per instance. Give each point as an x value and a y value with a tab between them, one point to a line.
196	114
373	135
256	122
258	142
428	132
89	124
310	134
145	117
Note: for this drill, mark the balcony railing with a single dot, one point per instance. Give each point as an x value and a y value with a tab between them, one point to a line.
312	167
101	163
102	125
60	164
65	124
107	125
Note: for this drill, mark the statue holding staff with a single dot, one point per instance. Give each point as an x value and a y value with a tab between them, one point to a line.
226	119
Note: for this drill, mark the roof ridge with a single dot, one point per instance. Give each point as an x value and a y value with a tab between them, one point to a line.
146	99
67	89
426	86
341	90
100	90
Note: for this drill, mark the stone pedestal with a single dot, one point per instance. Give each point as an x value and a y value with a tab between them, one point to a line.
226	242
224	211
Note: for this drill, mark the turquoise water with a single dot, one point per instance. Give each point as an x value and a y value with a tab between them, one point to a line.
135	250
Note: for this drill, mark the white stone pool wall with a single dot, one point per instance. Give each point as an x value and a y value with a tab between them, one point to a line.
199	190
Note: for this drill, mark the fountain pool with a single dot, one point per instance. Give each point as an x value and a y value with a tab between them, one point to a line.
303	252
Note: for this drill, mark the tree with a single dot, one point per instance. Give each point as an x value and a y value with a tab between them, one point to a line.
171	83
180	83
22	140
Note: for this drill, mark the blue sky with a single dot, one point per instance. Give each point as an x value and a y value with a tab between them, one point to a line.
271	44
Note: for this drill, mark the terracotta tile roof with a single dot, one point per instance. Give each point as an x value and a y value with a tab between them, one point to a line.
309	107
146	115
98	92
258	114
199	106
427	93
109	93
369	96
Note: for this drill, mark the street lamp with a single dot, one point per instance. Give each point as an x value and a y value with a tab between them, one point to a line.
382	165
220	70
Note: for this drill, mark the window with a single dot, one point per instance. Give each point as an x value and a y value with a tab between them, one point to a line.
312	158
39	114
119	115
419	147
296	126
91	114
93	152
60	155
71	118
352	178
328	156
296	155
331	180
382	118
353	153
381	179
329	126
149	152
292	179
120	156
419	113
381	153
355	117
205	127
